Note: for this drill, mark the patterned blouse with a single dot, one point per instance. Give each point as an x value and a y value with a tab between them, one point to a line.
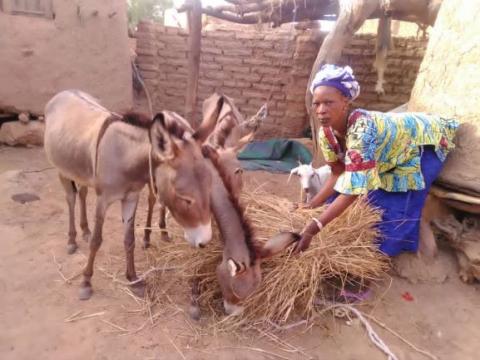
383	150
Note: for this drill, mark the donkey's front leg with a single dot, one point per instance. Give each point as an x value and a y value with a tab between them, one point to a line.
162	224
70	196
82	194
194	309
148	225
129	207
96	241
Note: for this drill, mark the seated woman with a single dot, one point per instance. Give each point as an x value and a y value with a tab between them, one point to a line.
392	158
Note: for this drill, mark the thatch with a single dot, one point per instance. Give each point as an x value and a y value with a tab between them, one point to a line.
291	285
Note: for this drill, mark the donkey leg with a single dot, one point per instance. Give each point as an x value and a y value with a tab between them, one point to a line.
70	195
129	207
82	194
162	224
194	309
148	230
95	242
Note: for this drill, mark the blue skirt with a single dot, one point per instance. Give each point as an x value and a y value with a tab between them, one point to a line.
400	225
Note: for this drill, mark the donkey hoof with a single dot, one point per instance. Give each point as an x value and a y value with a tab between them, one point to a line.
194	312
138	289
71	248
165	237
85	293
87	236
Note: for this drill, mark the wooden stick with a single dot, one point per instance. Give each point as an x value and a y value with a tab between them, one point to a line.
72	318
174	345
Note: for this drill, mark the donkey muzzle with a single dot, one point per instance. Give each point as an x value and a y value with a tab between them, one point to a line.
199	236
232	309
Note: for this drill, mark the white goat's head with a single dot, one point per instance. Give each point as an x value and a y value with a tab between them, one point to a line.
311	179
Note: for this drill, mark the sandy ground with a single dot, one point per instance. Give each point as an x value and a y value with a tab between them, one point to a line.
35	301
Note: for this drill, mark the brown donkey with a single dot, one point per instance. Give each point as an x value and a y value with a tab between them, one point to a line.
117	156
239	273
230	134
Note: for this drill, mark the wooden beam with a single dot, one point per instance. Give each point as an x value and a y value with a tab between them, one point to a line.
194	45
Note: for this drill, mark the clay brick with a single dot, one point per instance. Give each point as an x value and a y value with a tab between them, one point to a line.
266	70
278	55
170	39
207	58
211	50
238	52
210	66
257	61
227	44
220	34
267	87
172	54
217	75
142	59
249	36
264	45
247	77
226	60
177	77
148	67
237	69
278	37
209	82
149	74
276	113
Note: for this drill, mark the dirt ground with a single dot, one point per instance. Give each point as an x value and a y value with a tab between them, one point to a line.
35	302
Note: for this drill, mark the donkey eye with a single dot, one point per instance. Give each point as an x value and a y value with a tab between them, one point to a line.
186	199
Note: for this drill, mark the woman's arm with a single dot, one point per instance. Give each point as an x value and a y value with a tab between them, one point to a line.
336	208
327	190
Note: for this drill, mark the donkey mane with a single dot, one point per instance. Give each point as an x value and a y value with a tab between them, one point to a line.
130	117
137	119
252	245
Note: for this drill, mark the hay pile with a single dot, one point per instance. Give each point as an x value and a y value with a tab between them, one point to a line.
291	284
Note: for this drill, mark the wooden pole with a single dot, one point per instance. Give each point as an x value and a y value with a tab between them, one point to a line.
194	45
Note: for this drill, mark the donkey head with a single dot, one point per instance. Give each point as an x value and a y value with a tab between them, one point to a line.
231	133
239	278
182	178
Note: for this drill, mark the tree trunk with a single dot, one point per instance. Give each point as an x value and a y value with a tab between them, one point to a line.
194	45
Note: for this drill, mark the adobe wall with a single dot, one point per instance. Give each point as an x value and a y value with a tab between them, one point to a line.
85	46
254	65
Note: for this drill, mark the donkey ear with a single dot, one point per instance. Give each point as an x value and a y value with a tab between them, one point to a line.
211	110
234	267
278	243
243	141
163	146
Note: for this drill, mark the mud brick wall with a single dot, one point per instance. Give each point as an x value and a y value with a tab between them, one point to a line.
255	66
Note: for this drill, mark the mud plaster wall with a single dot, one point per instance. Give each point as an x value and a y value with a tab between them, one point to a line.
448	84
250	65
84	47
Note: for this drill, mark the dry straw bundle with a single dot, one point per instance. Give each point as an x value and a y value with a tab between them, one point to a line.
292	285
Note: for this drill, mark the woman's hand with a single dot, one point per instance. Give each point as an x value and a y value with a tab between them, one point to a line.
307	235
297	206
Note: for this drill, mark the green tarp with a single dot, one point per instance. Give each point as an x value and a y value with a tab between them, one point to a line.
276	155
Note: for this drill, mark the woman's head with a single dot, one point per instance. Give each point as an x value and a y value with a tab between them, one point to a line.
333	88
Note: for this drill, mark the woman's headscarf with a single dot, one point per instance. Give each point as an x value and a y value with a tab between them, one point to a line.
341	78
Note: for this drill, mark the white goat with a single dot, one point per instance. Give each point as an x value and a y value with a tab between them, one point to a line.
311	180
